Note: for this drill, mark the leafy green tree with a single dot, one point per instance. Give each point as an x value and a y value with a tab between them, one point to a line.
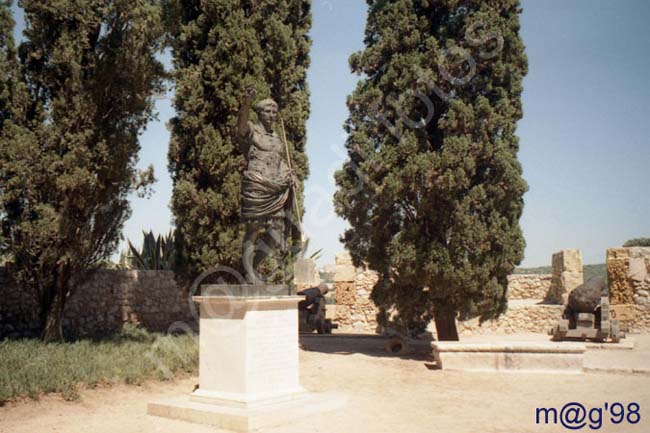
637	242
432	189
220	49
69	146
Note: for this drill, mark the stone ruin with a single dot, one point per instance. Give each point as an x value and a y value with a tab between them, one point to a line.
567	275
535	302
628	275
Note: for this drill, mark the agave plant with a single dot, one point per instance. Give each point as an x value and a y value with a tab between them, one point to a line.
303	251
156	254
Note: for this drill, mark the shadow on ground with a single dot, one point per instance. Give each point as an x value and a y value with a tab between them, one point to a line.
370	345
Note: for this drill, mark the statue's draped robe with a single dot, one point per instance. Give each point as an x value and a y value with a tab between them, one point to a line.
266	180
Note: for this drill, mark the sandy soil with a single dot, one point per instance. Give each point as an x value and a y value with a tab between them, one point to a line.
384	394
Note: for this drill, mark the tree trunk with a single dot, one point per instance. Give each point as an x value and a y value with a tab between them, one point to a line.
445	319
53	329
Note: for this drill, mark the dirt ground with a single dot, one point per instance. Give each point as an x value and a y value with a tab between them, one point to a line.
384	394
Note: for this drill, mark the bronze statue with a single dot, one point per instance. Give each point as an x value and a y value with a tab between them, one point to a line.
266	186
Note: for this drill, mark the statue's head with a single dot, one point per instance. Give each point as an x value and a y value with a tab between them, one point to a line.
267	111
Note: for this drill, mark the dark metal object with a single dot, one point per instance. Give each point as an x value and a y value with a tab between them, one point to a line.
599	325
584	299
267	187
312	311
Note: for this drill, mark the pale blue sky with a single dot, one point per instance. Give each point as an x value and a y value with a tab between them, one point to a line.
584	136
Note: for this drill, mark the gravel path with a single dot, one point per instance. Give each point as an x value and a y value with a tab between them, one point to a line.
385	394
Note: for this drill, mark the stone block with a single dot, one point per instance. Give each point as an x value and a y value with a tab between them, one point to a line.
342	313
344	273
510	357
567	275
622	312
345	294
569	260
253	419
246	379
617	253
304	271
523	286
343	258
238	361
621	290
639	253
637	269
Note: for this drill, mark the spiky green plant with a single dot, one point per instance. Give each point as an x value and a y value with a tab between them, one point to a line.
156	254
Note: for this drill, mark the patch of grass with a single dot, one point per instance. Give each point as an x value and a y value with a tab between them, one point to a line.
30	368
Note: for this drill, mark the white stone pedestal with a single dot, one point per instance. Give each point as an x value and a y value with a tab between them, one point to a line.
248	350
248	367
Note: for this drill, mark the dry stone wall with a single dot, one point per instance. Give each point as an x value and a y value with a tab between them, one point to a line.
520	317
355	311
107	301
628	279
528	286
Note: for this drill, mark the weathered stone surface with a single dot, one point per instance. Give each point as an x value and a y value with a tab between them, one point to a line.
343	258
637	270
567	275
344	273
528	286
305	274
617	253
632	317
345	293
228	418
103	304
628	272
639	252
538	318
355	310
621	290
510	357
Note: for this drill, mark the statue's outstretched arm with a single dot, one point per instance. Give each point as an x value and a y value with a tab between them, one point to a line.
243	127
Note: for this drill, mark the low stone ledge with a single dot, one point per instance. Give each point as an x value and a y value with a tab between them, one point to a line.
453	346
510	357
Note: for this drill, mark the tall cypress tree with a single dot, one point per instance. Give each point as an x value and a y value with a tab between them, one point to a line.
69	146
8	80
433	190
220	49
8	61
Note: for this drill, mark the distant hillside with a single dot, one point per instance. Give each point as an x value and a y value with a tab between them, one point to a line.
599	270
